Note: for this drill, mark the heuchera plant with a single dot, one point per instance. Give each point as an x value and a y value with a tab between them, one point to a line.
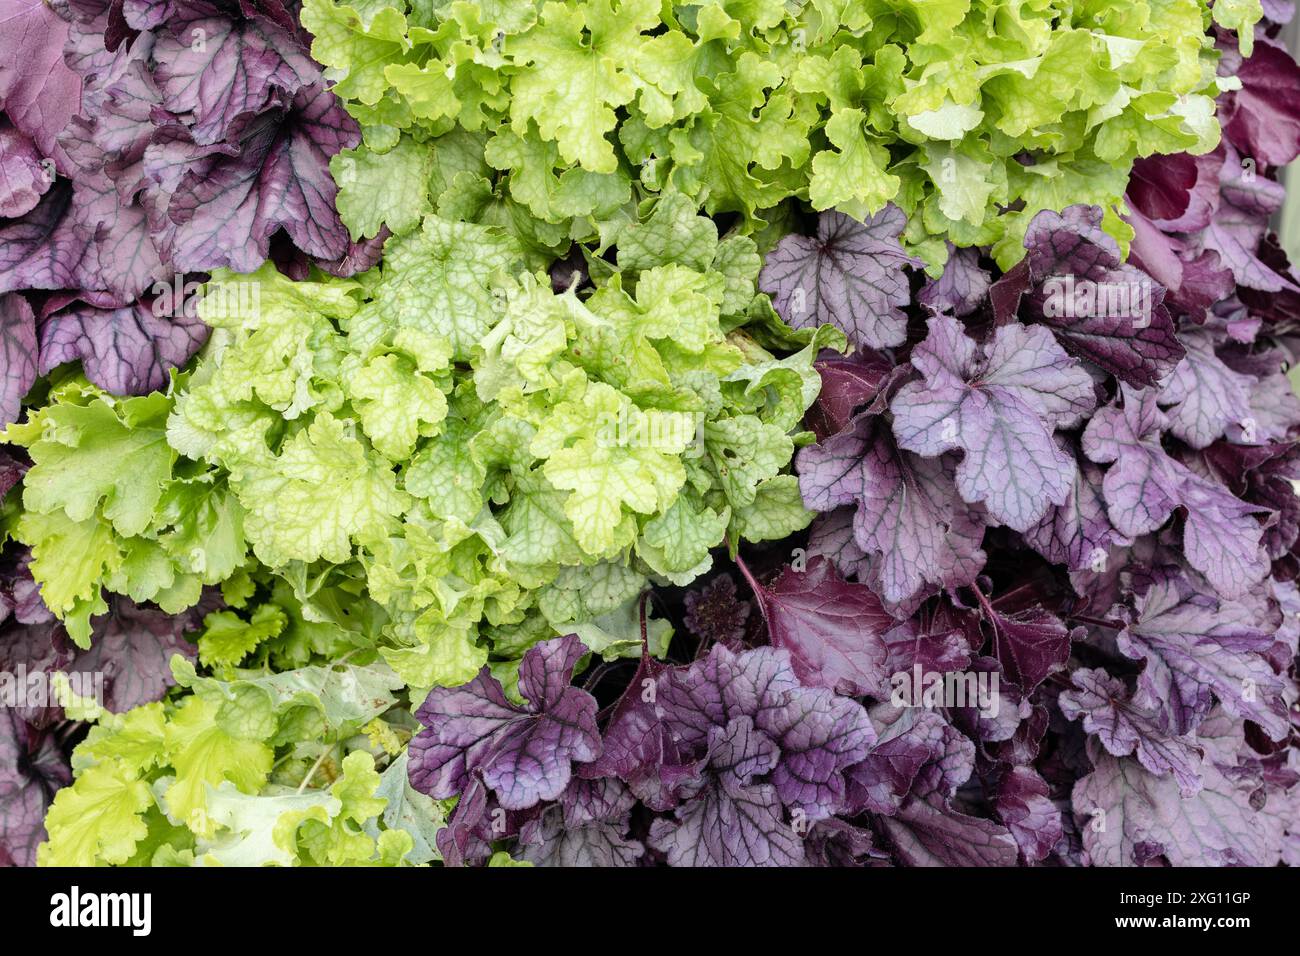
998	439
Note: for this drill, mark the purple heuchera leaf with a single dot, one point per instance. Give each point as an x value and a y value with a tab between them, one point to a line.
848	382
961	288
1148	820
178	157
1193	282
1000	404
1246	202
831	627
587	827
908	738
12	469
17	353
1143	485
226	208
1030	643
360	256
1222	539
1204	397
125	351
523	754
991	714
831	537
1198	649
33	651
147	14
243	66
909	520
851	276
820	736
638	747
728	819
1263	117
1263	475
927	830
468	835
1100	309
37	90
706	732
695	700
1161	186
23	180
1024	746
121	256
1023	803
1124	728
132	648
44	249
834	842
932	646
1077	533
20	595
32	768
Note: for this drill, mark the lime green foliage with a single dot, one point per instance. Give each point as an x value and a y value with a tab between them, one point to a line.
491	461
552	120
108	504
260	769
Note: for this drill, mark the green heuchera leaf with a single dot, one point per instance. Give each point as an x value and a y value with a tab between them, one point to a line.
190	780
97	820
553	121
411	811
492	458
109	504
227	638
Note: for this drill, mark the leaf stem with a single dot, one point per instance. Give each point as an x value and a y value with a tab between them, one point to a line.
314	767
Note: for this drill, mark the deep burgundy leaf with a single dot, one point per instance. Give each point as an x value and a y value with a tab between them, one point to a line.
1161	186
832	628
848	382
1029	644
1263	117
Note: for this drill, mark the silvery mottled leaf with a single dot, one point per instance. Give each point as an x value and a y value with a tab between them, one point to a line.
1000	404
852	276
